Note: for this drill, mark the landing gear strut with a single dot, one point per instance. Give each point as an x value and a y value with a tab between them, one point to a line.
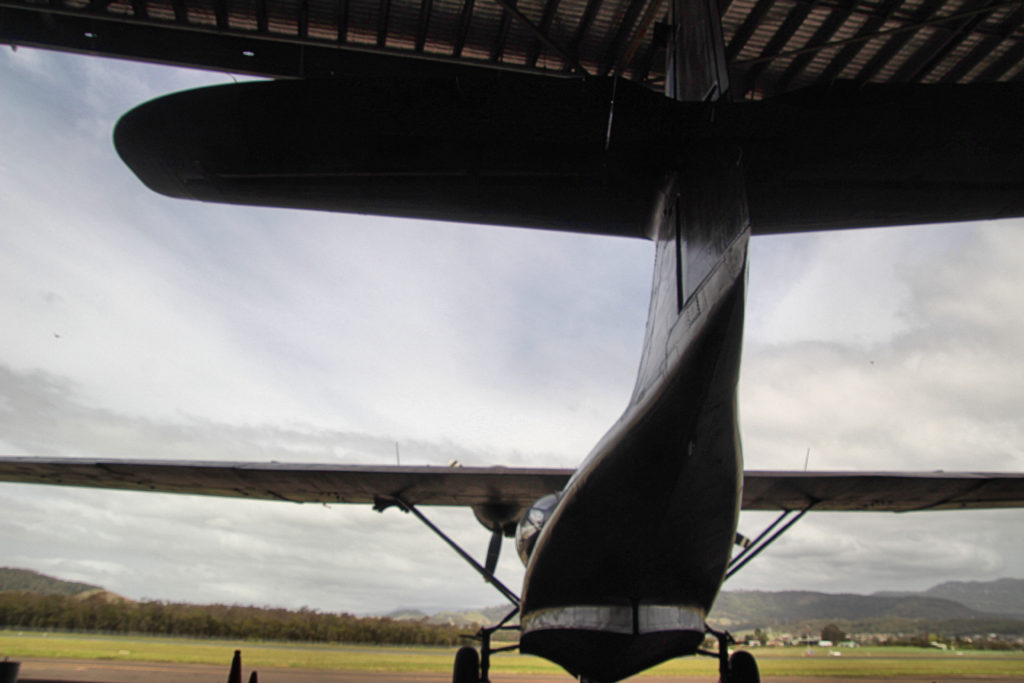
471	667
739	668
481	666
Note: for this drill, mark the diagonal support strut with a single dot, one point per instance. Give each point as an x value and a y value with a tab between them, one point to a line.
755	548
487	573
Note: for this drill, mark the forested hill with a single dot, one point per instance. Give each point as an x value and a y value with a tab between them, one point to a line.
955	607
739	608
996	606
27	580
1003	596
37	601
95	613
797	610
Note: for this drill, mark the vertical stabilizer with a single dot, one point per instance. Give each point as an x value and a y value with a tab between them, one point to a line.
695	68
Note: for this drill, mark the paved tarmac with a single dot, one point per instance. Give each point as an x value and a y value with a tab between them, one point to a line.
92	671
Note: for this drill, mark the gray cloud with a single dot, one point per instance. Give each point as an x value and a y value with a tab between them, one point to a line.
205	332
937	386
941	390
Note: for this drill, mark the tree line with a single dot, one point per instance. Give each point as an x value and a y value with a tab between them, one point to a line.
98	613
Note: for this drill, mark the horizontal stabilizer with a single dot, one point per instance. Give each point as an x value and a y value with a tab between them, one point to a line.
853	155
494	148
582	156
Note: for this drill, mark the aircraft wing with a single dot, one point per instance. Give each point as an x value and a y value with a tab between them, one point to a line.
471	486
881	491
297	483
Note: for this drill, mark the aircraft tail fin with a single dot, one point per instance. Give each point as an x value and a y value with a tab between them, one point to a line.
696	67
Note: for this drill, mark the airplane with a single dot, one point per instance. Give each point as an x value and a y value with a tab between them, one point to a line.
626	553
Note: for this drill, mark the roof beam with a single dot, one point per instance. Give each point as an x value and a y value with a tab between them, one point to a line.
625	56
302	20
383	14
180	13
864	37
235	49
513	10
585	21
793	21
220	8
341	19
643	64
938	47
652	49
499	40
611	55
821	36
984	48
261	16
459	41
910	15
963	67
896	43
746	29
1002	66
139	9
550	8
426	7
868	31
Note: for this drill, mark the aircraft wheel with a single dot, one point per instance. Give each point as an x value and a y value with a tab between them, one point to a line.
467	666
743	668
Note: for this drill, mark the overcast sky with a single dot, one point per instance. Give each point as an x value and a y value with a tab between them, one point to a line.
136	326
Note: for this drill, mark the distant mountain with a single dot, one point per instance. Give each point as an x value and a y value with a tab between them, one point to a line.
999	604
950	607
403	614
751	609
27	580
462	618
962	606
103	596
1004	596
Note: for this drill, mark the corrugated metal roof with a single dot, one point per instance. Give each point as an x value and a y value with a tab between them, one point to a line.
772	46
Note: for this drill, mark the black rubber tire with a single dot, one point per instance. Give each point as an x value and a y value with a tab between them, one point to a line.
467	666
743	668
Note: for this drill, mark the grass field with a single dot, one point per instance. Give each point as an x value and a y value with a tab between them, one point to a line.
858	663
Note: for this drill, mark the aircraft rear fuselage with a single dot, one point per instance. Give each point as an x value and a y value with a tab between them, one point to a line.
626	569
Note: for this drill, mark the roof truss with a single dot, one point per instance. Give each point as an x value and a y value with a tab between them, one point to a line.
772	46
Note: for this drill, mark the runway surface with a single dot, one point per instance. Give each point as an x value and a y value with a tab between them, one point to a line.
91	671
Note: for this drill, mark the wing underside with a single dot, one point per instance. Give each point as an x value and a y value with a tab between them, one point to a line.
296	483
881	491
476	486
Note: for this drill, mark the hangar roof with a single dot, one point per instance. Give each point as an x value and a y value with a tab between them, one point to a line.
772	46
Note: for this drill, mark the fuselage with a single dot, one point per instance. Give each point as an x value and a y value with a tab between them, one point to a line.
626	569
